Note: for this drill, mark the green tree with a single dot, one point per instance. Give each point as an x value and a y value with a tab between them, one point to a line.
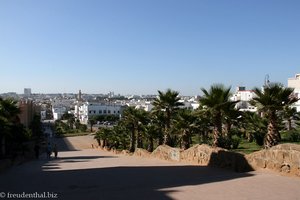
185	126
168	103
270	102
8	121
216	100
203	122
132	119
289	114
36	126
102	136
92	121
255	127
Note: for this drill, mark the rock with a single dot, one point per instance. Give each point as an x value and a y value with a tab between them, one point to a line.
166	153
141	152
283	158
125	152
285	168
198	154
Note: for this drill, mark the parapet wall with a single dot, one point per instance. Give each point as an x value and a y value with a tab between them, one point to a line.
284	158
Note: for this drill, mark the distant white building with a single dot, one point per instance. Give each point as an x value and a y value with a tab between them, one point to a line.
295	84
244	97
186	105
89	109
60	107
58	112
147	106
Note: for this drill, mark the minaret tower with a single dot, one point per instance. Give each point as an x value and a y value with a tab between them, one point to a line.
79	103
79	96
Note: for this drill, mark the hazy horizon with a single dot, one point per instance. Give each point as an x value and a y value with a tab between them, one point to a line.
139	47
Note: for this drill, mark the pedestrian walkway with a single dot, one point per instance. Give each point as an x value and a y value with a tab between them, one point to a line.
94	174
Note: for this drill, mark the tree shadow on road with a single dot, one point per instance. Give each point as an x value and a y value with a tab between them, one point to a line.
119	182
136	182
64	145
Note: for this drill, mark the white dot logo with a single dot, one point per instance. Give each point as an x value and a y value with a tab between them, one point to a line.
2	195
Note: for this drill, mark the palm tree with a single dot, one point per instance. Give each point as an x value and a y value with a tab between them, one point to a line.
216	100
185	125
255	127
8	118
133	119
168	103
232	117
290	114
103	134
158	121
92	122
270	101
203	124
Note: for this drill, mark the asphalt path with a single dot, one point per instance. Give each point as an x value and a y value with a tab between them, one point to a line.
84	173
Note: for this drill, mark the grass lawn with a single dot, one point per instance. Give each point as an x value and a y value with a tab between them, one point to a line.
246	147
74	134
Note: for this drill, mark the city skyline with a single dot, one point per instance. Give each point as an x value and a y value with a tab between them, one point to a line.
139	47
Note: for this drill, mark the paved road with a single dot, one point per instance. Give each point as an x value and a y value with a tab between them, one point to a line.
81	173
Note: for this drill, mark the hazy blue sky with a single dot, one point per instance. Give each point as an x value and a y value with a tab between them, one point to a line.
141	46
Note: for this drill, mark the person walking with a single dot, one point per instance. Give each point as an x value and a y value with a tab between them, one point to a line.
55	151
49	151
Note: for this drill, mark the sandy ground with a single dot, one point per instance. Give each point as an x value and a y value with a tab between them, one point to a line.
84	173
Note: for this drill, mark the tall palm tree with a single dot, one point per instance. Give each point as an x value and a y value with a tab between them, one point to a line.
270	101
216	100
168	103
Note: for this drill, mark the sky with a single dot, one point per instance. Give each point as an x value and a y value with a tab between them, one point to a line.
141	46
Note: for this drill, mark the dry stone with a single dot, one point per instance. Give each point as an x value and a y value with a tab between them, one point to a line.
283	158
141	152
198	154
166	153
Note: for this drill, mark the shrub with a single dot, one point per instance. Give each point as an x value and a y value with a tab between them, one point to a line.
259	138
235	141
293	136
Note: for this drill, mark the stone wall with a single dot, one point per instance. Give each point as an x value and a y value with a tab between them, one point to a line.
284	158
199	154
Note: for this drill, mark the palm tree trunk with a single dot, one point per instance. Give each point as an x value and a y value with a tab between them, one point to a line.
273	136
167	137
289	124
150	145
216	137
217	130
228	129
132	140
185	140
139	140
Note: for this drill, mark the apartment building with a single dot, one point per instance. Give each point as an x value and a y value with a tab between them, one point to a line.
295	84
90	109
